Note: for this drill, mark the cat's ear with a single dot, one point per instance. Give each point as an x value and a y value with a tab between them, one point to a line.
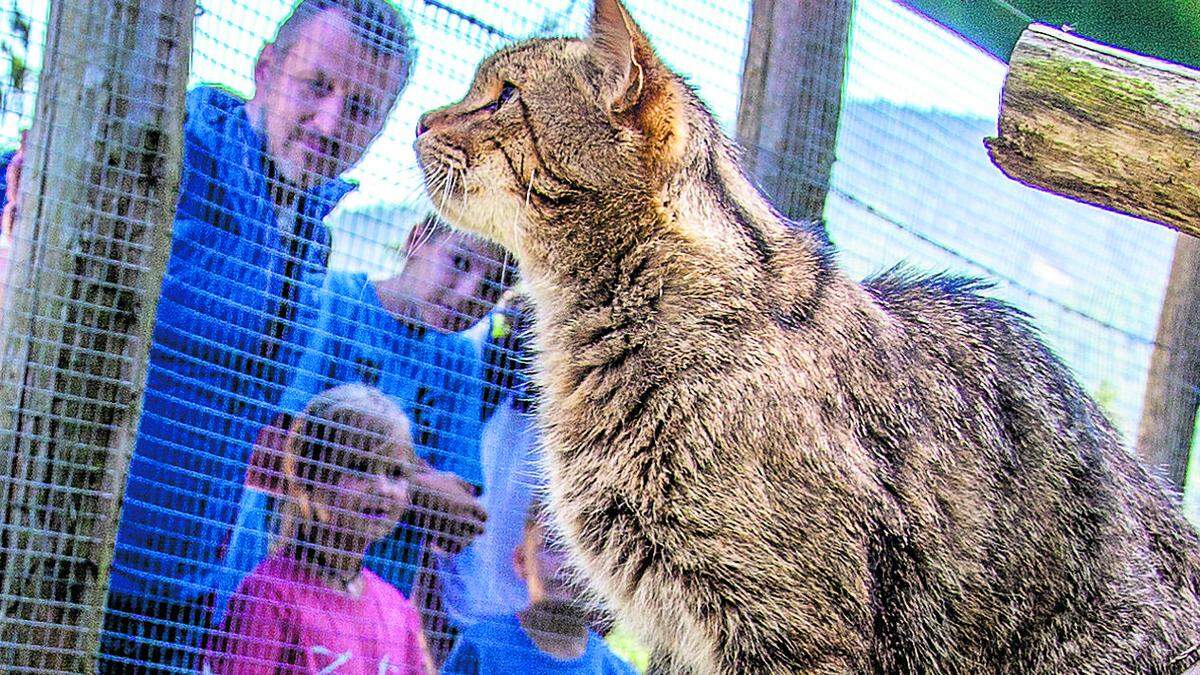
637	83
614	40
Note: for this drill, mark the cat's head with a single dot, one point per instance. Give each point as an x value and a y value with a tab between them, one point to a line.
550	126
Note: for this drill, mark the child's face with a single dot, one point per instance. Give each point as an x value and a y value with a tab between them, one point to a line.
366	495
450	274
545	570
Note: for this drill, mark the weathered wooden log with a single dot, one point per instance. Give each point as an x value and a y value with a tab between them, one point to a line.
99	188
1164	440
1102	126
792	98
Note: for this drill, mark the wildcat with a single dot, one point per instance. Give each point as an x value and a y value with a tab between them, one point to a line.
765	466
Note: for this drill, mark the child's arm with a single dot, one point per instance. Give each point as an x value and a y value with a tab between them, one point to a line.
252	639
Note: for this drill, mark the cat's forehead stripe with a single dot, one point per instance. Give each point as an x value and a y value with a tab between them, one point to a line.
565	46
522	47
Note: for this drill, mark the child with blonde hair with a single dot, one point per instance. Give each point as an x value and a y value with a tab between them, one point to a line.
311	607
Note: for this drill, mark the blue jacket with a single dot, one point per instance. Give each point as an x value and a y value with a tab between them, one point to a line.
437	378
239	294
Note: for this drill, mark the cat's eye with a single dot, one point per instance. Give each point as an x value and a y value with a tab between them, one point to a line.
507	91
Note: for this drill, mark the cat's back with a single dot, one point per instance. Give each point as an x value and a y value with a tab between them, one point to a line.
1077	514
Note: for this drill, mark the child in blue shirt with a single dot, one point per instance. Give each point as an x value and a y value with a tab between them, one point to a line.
550	636
480	582
401	335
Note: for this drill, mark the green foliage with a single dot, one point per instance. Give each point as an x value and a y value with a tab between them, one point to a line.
1107	398
626	646
15	47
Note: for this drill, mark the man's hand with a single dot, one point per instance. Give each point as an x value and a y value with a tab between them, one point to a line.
445	508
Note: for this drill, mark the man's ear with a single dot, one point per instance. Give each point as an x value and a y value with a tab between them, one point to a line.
614	40
265	66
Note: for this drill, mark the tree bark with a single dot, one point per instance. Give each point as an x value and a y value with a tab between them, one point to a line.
1173	387
1120	131
791	99
92	238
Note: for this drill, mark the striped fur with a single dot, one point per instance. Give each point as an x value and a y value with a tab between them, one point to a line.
764	466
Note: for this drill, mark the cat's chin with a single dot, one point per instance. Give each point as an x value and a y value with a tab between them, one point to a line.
490	218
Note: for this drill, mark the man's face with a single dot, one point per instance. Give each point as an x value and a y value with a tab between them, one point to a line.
323	100
449	281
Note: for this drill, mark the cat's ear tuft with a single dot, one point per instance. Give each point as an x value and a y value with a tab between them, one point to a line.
614	39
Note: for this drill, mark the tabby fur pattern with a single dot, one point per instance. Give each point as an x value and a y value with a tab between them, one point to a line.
763	465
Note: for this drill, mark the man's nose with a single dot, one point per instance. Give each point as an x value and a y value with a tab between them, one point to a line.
328	116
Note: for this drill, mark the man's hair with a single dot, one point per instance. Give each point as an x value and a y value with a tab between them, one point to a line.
378	24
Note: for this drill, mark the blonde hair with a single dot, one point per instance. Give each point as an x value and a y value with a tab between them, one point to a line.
339	424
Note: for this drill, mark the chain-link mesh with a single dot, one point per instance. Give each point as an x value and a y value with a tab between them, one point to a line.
335	381
913	182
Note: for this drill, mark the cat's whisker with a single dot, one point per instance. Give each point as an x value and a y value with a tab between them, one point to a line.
529	190
528	193
435	186
447	188
432	187
444	185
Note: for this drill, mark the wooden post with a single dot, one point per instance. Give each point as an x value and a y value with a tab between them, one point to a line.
792	98
1102	126
92	238
1120	131
1173	387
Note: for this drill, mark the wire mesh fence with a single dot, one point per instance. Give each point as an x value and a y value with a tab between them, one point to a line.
332	379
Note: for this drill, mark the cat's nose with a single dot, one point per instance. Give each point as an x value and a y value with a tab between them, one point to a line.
431	120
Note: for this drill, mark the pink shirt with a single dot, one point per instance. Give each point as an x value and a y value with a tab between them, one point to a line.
283	621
